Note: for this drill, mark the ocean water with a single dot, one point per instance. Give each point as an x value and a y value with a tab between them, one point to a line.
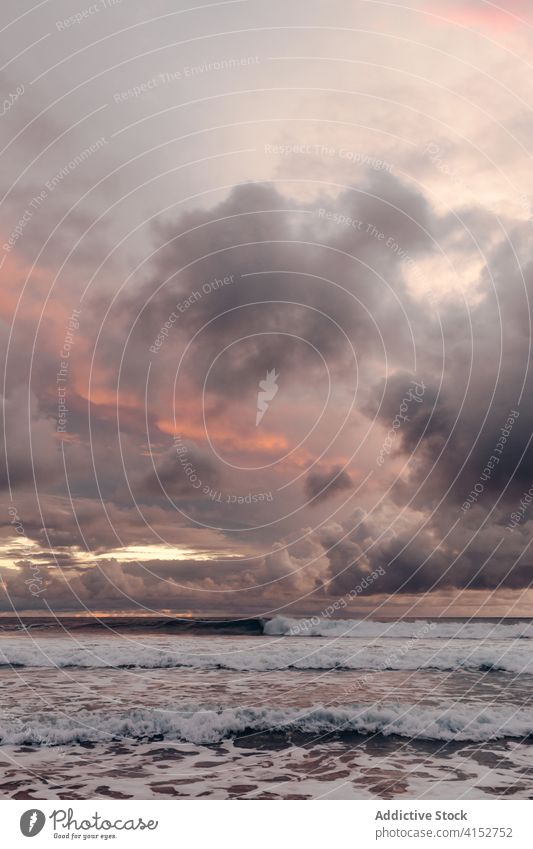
273	709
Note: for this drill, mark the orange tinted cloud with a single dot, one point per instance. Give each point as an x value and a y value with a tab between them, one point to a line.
268	443
481	15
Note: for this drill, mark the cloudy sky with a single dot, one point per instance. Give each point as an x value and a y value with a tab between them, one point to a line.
264	307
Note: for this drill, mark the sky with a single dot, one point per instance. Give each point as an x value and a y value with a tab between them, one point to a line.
265	308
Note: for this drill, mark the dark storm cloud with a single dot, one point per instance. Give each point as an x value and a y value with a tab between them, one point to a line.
23	459
173	478
409	561
321	485
471	362
286	247
243	234
477	426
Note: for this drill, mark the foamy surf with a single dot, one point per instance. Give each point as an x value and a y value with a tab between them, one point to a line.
211	724
443	630
253	656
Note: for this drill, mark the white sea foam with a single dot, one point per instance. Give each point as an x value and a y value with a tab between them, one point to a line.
210	724
315	627
262	655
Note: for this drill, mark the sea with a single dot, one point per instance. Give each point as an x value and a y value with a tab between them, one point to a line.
279	708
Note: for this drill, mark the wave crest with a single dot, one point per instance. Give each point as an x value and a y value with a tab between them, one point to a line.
205	725
252	656
316	627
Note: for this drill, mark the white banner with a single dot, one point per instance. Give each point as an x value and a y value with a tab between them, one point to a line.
245	824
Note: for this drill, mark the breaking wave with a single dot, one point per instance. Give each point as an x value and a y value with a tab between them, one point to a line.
443	630
253	656
210	724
